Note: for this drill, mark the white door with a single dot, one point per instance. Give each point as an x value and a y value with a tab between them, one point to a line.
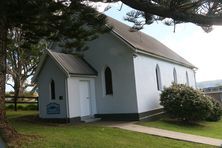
85	100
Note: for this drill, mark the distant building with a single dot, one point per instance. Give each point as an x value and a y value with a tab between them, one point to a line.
212	88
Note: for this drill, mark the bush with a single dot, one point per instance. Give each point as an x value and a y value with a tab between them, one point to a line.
22	107
9	107
185	103
31	107
216	111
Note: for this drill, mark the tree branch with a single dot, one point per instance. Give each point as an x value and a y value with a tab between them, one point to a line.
10	85
176	14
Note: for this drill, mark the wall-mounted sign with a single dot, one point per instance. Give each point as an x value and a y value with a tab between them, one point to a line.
53	108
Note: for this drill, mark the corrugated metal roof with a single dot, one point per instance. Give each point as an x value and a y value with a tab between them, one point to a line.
73	64
146	43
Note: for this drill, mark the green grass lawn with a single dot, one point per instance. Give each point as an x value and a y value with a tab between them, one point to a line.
209	129
85	135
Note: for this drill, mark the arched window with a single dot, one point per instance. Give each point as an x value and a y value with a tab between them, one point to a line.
187	79
52	89
108	81
174	75
158	78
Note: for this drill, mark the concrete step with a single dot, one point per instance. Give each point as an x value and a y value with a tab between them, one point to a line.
88	120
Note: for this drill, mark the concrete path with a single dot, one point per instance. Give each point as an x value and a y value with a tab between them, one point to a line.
166	133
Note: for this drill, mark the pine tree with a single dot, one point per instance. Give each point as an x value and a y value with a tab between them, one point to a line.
71	23
204	13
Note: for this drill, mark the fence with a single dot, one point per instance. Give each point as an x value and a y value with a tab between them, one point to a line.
28	100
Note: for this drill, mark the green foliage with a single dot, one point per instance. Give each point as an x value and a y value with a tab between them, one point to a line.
31	107
9	107
22	107
216	111
71	23
25	94
21	64
10	93
29	26
185	103
173	12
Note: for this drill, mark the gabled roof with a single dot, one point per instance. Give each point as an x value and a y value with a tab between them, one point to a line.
70	64
73	64
145	43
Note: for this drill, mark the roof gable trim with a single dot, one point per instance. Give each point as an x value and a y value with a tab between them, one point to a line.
42	62
58	63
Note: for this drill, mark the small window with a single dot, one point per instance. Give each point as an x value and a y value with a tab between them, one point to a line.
187	79
174	76
108	81
52	89
158	78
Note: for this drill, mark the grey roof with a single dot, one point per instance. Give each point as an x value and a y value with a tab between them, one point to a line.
146	43
73	64
70	64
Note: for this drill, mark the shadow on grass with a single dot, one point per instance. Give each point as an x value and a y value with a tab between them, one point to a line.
167	120
34	119
181	123
23	139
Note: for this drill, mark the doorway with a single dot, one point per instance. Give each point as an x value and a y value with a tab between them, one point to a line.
85	98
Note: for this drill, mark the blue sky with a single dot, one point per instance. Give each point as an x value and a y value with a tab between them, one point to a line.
202	49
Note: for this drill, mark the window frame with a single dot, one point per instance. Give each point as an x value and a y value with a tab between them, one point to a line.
175	75
187	79
158	78
108	81
52	90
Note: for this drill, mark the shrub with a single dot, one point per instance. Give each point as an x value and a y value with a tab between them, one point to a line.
216	111
185	103
9	106
22	107
31	107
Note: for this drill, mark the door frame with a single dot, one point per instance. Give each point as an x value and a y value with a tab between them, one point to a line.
92	102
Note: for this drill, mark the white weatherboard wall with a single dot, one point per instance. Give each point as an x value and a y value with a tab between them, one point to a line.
146	85
108	50
74	96
50	71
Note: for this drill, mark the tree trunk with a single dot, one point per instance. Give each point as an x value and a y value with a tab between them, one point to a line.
18	89
7	132
16	94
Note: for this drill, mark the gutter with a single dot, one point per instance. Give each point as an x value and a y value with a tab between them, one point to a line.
163	58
